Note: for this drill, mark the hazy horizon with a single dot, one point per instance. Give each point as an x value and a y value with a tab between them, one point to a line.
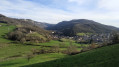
54	11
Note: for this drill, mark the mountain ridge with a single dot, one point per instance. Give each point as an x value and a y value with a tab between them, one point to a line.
68	28
72	27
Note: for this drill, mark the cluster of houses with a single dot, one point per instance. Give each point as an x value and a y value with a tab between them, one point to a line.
95	38
88	39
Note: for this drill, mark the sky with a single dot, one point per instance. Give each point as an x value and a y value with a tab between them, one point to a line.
54	11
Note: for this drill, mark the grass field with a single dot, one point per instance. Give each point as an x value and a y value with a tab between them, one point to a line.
4	29
13	54
60	44
102	57
82	34
37	59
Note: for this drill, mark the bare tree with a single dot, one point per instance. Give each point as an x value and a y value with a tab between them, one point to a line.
29	56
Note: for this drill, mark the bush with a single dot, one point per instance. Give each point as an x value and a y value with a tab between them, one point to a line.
92	46
54	49
23	40
35	51
62	45
16	35
85	49
29	56
71	50
115	38
43	51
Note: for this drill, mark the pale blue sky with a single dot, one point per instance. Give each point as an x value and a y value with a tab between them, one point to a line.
54	11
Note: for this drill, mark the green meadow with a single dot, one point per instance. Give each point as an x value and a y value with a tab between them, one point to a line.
4	29
13	54
101	57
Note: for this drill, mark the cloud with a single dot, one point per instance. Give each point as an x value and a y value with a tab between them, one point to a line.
78	1
27	9
103	11
109	4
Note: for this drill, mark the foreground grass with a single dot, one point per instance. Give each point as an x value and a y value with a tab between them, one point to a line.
15	49
102	57
8	50
37	59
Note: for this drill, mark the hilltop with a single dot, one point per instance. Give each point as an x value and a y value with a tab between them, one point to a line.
67	28
73	27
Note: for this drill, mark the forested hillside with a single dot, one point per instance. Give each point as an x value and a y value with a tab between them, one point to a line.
71	28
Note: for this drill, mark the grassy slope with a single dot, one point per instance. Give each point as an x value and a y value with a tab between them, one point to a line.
4	29
37	59
58	43
8	50
15	49
102	57
19	49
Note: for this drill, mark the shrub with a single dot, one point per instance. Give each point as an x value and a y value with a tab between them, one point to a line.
29	56
23	40
85	49
54	49
71	50
115	38
44	50
62	45
35	51
92	46
16	35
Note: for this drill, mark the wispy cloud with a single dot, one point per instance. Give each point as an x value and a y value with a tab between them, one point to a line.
54	11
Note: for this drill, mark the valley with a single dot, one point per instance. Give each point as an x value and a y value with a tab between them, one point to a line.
27	43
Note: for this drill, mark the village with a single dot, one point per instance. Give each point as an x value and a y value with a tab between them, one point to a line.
97	38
